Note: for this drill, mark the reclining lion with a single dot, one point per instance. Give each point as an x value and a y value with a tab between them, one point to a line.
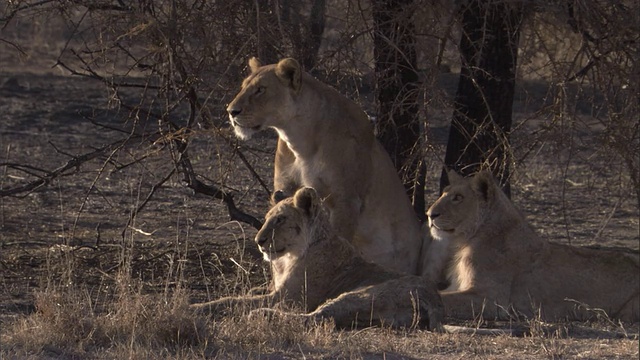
498	263
327	142
314	268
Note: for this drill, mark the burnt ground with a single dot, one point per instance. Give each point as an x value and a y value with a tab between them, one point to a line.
76	230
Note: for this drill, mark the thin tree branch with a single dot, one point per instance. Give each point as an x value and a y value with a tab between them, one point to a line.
13	13
191	181
184	162
152	192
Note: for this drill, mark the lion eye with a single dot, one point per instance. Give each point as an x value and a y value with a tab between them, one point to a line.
259	90
458	197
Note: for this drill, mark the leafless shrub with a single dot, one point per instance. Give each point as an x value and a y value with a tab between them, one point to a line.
577	70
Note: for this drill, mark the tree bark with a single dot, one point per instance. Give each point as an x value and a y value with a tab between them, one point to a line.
479	134
398	126
268	38
304	31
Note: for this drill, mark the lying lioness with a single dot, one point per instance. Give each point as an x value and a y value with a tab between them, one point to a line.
498	263
317	270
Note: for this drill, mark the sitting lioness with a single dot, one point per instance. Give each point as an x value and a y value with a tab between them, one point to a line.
314	268
327	142
497	263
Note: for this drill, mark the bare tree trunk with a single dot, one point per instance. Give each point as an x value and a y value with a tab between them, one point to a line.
268	39
479	135
305	32
398	125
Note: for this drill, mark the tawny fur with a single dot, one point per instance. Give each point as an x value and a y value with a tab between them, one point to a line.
497	261
327	142
317	270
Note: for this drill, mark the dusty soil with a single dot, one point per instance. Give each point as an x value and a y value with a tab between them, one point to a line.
68	226
75	228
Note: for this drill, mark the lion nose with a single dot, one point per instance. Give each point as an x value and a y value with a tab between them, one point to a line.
261	239
234	111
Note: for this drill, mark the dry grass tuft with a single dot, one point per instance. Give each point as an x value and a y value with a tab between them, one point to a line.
257	333
66	323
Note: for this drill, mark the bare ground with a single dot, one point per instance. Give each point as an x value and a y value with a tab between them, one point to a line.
74	231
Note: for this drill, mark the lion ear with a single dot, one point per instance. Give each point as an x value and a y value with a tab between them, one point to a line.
484	184
288	70
306	199
453	176
254	64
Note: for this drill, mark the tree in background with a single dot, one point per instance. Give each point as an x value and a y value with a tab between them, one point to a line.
479	134
305	30
186	58
397	125
289	28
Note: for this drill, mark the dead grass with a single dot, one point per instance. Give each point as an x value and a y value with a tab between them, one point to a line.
69	324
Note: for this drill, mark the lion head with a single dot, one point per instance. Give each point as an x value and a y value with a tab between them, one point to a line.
266	97
462	208
288	225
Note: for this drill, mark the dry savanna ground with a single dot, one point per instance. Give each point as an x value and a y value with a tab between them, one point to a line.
81	278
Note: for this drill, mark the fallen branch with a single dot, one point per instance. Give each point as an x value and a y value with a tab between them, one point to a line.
48	176
191	181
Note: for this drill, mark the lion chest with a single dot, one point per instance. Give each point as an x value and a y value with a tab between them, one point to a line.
330	162
287	274
461	272
312	172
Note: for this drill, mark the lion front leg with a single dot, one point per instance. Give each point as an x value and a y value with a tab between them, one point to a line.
469	305
436	255
386	304
242	303
344	215
286	177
